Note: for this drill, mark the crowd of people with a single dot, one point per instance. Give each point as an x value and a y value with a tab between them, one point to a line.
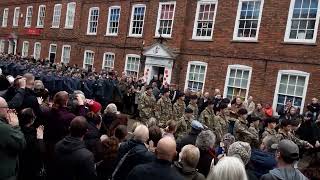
61	122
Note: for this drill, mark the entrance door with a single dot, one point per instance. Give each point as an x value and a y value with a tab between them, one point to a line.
158	71
52	52
11	47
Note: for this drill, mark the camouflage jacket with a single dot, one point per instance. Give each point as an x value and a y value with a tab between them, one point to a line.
183	125
195	109
283	135
221	126
255	141
241	131
147	106
164	111
178	109
207	118
268	132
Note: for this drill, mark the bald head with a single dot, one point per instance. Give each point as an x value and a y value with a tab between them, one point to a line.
141	133
166	149
3	108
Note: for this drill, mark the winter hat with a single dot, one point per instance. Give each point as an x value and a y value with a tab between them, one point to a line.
94	106
241	150
111	108
196	125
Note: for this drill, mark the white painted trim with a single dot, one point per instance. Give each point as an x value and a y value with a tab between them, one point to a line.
131	21
34	50
3	17
88	26
289	23
104	58
56	6
241	67
84	57
158	19
66	26
236	26
27	12
23	47
290	72
14	23
201	2
134	56
38	20
197	63
62	52
108	23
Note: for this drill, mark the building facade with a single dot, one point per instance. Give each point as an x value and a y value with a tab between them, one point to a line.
267	49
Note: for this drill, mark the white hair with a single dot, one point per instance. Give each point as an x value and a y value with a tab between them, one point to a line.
206	140
111	108
190	155
228	168
141	133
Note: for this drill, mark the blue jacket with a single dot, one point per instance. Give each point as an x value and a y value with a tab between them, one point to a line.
261	162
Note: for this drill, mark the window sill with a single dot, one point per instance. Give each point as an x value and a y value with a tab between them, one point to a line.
203	40
132	36
40	27
157	37
69	28
111	35
91	34
244	41
27	27
54	28
299	43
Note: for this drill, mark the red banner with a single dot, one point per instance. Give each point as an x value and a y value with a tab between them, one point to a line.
33	31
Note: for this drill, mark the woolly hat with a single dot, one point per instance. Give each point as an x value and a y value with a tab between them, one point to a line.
241	150
94	106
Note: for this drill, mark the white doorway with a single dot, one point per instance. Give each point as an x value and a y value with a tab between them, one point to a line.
12	48
158	71
52	52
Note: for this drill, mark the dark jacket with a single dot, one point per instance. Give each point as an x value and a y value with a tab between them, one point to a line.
156	170
306	132
137	154
12	143
73	160
187	172
205	160
284	174
31	159
92	141
189	138
261	162
202	104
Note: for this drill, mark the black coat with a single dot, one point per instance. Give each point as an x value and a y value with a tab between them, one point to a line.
73	160
92	141
137	154
205	161
156	170
189	138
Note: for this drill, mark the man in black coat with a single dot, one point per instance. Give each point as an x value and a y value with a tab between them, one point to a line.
159	169
72	159
191	137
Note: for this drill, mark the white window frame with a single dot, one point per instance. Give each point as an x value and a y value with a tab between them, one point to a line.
5	17
241	67
109	19
16	16
104	59
2	45
158	19
305	89
25	49
133	56
131	21
236	26
56	17
194	33
44	17
196	63
88	26
69	23
63	51
29	13
289	23
84	58
34	50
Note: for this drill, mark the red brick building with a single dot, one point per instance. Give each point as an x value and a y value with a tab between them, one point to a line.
267	49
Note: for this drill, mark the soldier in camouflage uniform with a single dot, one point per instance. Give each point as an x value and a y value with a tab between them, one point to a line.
285	133
270	129
221	122
241	129
147	105
207	116
193	105
254	129
164	110
184	123
179	106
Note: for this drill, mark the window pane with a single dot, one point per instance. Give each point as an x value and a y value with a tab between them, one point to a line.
301	81
283	88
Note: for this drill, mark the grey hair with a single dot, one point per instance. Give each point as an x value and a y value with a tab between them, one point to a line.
141	133
152	122
190	155
228	168
206	140
269	142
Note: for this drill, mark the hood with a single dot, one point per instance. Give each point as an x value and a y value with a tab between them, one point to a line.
93	132
265	159
288	174
184	169
69	144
